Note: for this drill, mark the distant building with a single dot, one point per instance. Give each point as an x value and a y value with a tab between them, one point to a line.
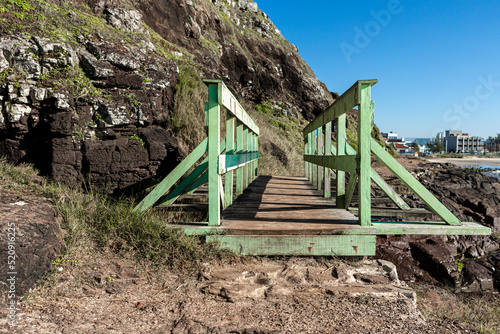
390	135
455	141
423	145
400	148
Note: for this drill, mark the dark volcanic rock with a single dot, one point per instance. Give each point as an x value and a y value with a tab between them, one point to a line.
74	137
470	195
397	250
30	241
435	257
476	278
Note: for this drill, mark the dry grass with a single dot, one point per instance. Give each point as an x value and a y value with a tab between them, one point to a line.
96	221
286	133
187	120
479	311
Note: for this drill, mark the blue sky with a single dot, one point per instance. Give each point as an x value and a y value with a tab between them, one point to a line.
437	62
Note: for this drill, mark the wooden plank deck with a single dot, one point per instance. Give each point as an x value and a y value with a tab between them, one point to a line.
284	205
281	205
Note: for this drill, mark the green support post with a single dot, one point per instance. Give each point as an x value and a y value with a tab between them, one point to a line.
309	151
257	161
364	154
328	151
306	146
228	177
250	166
256	148
239	148
341	145
214	179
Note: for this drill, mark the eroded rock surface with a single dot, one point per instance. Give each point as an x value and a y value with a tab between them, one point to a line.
65	105
74	133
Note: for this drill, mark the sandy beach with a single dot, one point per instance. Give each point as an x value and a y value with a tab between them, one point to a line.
468	161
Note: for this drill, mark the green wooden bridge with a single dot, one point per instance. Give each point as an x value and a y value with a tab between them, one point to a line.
277	215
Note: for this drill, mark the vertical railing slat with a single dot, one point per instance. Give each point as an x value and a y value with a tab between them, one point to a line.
314	151
341	141
328	151
228	177
213	155
239	149
319	184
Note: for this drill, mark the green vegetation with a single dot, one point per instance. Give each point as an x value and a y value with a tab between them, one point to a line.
104	224
136	137
187	120
436	146
284	130
73	80
68	22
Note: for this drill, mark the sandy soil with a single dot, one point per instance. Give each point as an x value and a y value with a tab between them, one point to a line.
297	295
468	161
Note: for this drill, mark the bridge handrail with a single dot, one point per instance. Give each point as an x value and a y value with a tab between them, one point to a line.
321	157
236	154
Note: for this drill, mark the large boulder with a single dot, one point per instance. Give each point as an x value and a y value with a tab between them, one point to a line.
30	241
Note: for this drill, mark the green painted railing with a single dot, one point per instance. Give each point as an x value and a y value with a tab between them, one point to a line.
234	158
322	157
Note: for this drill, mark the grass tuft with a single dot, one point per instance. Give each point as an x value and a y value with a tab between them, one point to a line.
94	220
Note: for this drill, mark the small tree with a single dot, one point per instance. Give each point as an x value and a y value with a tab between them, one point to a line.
437	145
415	147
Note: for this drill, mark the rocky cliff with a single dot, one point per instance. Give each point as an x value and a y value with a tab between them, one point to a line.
91	91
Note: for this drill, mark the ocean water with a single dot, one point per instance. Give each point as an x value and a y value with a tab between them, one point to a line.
490	170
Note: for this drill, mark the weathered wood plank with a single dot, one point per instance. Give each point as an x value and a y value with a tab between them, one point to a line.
396	212
420	228
342	245
346	163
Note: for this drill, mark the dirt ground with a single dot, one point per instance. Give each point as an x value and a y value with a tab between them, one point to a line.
258	295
